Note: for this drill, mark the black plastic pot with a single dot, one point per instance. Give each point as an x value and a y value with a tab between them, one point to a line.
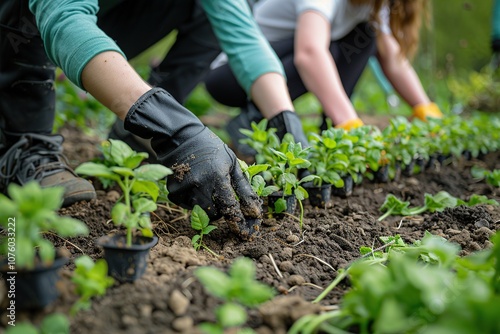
408	170
442	158
346	190
382	174
35	288
126	264
421	163
291	201
431	164
318	195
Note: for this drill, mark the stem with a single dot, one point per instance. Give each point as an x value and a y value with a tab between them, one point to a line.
332	285
385	215
417	210
126	194
301	214
210	251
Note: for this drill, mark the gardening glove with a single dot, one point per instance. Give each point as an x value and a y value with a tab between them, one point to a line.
350	124
427	110
206	171
289	122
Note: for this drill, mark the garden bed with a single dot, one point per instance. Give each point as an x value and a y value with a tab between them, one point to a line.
169	299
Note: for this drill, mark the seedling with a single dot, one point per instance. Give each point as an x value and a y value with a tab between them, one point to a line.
201	223
394	206
90	279
256	180
238	289
26	215
137	182
491	177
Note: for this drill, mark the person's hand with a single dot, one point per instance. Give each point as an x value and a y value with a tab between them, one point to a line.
206	171
427	110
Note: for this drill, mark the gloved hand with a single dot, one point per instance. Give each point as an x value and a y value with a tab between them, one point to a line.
206	171
427	110
350	124
289	122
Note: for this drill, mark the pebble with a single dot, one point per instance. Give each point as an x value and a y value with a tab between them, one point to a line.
287	253
286	266
183	324
296	280
178	303
292	239
112	195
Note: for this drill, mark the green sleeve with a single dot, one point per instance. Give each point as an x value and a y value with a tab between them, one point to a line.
70	34
495	33
249	54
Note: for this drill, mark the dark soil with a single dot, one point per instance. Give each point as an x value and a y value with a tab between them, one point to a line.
168	299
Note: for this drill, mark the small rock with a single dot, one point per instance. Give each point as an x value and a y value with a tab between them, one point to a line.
146	310
482	223
112	195
296	280
292	239
183	324
287	253
286	266
178	303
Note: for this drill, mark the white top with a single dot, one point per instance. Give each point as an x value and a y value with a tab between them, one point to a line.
278	18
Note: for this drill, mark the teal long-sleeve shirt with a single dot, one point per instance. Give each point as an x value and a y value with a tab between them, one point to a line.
72	38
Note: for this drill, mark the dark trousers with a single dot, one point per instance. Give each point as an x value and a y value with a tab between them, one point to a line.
27	95
351	54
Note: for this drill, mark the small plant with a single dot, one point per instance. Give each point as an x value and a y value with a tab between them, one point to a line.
201	223
256	180
491	177
55	323
394	206
238	289
26	215
91	279
261	139
136	181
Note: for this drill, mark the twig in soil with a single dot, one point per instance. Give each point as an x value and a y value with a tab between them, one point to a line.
185	285
327	308
409	219
162	222
66	241
306	284
275	266
317	258
377	249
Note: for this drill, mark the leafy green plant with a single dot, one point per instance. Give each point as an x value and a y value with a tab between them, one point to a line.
394	206
262	140
491	177
421	288
237	289
201	223
26	215
56	323
289	159
90	279
256	180
327	162
477	199
137	182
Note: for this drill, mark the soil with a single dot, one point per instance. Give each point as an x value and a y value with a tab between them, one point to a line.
168	299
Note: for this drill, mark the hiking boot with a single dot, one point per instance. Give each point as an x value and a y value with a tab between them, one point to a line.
136	143
39	157
243	121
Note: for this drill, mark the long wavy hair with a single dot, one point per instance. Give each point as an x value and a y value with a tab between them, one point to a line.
406	18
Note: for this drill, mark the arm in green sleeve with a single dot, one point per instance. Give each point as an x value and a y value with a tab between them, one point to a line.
249	53
70	34
495	24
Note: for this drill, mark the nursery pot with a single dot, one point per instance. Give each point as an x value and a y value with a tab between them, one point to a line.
33	288
291	201
382	174
346	190
408	170
431	164
318	195
421	163
125	263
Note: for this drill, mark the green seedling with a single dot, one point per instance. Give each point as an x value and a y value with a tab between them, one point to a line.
491	177
201	223
238	290
139	185
476	200
394	206
26	215
55	323
256	180
90	279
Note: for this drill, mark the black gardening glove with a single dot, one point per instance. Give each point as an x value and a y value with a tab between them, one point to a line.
206	171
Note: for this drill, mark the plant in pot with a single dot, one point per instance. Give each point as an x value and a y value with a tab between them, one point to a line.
31	262
376	158
127	254
326	163
290	161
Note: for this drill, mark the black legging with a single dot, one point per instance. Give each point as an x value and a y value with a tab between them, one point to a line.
351	54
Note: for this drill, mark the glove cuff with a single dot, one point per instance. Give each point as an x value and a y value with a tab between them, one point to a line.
156	115
350	124
289	122
427	110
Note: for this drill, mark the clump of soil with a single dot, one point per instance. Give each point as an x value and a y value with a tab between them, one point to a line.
168	299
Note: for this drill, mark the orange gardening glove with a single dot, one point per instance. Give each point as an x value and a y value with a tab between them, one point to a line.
427	110
350	124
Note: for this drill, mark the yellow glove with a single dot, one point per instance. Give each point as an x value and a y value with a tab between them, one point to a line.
427	110
350	124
